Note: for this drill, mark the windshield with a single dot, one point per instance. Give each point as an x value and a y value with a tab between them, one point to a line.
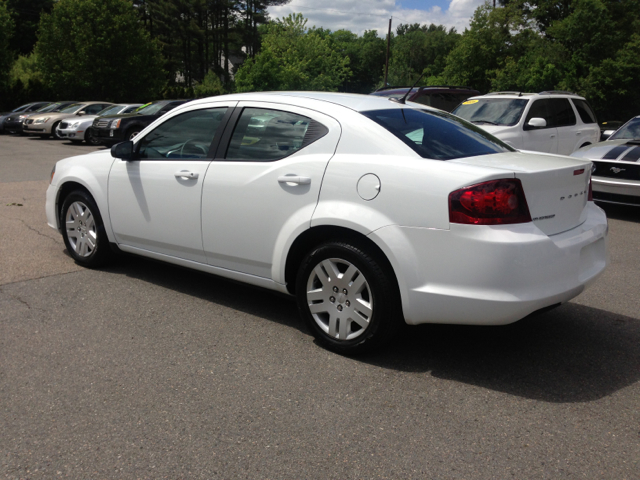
630	130
72	108
492	111
48	108
110	110
21	108
151	108
437	135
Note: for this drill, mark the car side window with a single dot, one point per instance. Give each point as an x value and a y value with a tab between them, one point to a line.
93	109
187	136
539	109
264	135
562	112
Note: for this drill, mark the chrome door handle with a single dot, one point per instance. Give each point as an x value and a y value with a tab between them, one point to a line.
185	174
578	133
295	179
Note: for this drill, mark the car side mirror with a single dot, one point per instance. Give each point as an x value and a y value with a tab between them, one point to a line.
81	113
606	134
123	151
537	122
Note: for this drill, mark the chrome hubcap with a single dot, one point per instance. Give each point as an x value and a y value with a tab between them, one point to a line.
339	299
81	229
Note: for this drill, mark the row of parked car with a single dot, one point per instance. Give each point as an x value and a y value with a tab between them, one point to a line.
555	122
91	122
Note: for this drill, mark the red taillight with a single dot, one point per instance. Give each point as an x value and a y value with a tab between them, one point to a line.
497	202
590	197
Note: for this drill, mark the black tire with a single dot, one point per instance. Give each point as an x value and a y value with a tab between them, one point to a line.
90	138
367	317
83	230
54	132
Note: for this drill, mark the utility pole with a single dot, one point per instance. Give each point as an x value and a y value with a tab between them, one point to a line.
386	68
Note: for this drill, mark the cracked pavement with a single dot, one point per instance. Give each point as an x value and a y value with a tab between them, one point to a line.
145	370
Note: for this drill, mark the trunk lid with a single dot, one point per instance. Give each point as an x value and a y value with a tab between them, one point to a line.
556	187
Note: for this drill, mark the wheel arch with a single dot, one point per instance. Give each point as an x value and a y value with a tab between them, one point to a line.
315	236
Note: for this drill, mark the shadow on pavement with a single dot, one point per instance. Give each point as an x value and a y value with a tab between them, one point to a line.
574	353
621	212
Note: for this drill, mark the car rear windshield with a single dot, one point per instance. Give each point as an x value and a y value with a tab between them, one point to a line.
630	130
437	135
492	111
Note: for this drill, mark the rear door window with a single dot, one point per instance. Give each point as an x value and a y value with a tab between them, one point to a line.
265	135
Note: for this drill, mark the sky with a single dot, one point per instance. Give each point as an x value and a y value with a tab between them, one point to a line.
360	15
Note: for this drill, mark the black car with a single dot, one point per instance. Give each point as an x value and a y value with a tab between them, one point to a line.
443	97
15	123
112	129
22	109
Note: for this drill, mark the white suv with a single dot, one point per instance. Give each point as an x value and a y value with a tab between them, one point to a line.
552	122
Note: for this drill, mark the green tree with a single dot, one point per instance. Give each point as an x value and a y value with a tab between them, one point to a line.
6	55
210	86
292	58
98	50
26	15
418	49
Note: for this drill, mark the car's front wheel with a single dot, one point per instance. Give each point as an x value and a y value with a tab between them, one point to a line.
54	131
348	298
90	137
83	230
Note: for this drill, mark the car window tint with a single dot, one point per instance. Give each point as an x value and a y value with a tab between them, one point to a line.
263	135
492	111
93	109
437	135
630	130
562	112
540	109
188	135
443	101
584	110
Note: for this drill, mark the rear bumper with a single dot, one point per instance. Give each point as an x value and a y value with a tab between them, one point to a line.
492	275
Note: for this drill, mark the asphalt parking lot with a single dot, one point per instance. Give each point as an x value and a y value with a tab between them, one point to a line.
145	370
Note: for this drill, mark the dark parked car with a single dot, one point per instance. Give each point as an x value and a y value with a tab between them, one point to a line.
22	109
111	129
15	123
443	97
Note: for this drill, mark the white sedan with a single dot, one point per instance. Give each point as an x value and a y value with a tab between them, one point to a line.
371	212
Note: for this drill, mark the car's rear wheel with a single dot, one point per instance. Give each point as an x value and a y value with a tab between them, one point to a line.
348	298
83	230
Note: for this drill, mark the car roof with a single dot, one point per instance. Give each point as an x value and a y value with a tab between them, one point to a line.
352	101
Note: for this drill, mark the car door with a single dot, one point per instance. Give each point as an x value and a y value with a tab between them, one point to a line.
565	121
264	183
540	139
154	200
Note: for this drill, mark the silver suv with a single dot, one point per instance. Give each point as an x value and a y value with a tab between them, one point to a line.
552	122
